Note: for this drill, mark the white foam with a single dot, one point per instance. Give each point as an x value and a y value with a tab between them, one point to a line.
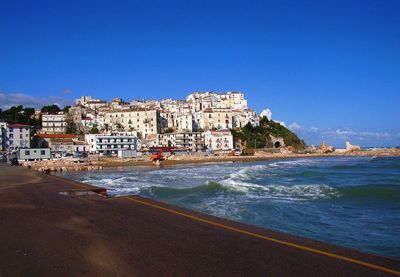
282	192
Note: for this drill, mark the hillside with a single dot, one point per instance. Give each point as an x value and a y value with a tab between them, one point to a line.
266	135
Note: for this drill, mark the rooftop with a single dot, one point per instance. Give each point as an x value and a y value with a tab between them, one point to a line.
57	136
18	125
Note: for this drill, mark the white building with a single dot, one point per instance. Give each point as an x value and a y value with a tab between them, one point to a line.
111	143
218	118
184	122
240	118
84	99
3	129
34	154
88	122
191	141
16	136
204	100
218	140
94	105
54	123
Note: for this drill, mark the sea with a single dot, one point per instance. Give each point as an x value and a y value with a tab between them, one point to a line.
348	201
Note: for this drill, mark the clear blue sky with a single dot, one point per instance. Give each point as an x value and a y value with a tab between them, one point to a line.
332	67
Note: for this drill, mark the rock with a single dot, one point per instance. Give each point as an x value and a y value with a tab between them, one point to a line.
351	148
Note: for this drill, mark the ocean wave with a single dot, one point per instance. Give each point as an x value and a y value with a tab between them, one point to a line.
282	192
248	172
208	189
293	163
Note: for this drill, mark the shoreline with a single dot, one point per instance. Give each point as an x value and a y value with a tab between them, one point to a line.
63	166
233	159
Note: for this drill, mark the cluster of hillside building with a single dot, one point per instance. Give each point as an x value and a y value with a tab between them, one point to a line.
201	122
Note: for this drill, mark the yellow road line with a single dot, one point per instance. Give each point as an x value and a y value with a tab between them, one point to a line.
305	248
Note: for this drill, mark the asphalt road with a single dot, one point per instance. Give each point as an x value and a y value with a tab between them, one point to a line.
50	226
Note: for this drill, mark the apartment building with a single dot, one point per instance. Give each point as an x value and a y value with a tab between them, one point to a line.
54	123
241	117
220	140
216	118
92	120
16	136
191	141
111	143
205	100
144	121
233	100
184	122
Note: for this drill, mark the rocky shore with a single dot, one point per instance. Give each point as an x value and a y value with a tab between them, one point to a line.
63	166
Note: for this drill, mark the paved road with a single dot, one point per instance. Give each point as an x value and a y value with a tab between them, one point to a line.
50	226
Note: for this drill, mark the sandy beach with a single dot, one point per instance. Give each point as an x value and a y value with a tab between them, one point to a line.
259	156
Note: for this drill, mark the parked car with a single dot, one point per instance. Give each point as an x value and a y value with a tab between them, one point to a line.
14	161
3	158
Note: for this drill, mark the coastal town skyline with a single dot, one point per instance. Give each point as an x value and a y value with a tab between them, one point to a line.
327	70
200	138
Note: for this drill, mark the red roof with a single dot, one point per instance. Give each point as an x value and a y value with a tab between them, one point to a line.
57	136
17	125
220	131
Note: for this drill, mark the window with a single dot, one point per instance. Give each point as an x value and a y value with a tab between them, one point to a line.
42	152
27	152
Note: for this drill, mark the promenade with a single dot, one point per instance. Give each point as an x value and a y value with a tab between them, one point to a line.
50	226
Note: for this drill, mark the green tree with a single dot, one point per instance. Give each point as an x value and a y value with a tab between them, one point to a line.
66	109
119	127
21	115
71	126
94	130
52	109
259	136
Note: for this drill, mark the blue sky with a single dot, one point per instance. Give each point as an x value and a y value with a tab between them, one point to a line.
328	69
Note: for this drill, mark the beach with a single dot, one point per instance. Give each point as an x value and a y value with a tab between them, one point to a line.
104	162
